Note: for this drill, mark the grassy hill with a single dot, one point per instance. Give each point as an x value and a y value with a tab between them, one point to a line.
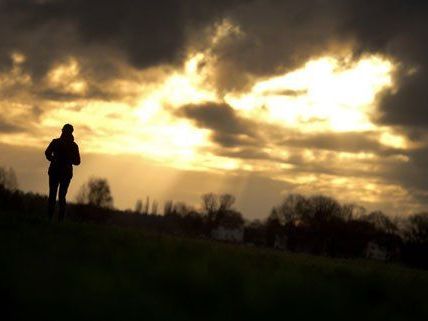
81	271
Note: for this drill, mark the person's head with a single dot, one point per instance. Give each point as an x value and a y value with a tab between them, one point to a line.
67	129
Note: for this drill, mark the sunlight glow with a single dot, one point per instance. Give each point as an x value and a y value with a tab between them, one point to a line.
390	139
181	88
323	95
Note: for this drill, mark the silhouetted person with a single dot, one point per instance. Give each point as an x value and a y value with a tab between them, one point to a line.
63	153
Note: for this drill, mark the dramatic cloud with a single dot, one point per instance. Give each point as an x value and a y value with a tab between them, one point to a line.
343	142
280	35
147	32
6	127
228	128
311	96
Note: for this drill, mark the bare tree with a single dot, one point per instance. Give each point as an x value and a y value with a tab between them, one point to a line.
181	208
8	179
147	206
155	208
381	222
352	211
324	208
226	202
418	229
168	208
95	192
139	206
210	203
294	207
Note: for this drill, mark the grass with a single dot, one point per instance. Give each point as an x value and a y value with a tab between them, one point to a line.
78	271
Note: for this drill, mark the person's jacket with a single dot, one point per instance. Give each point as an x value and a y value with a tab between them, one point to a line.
63	153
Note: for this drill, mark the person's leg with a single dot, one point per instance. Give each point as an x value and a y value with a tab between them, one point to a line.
53	190
63	187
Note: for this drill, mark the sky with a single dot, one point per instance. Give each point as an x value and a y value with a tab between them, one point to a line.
172	99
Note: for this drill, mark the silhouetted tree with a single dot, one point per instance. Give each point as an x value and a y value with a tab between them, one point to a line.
95	192
226	202
210	203
154	207
147	206
318	224
8	179
381	222
293	207
324	208
353	211
418	228
273	227
168	208
415	249
139	206
182	208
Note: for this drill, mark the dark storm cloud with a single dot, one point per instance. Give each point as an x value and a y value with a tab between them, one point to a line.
398	29
59	95
247	153
408	107
278	36
146	33
232	140
249	137
413	173
91	92
7	127
218	117
352	142
228	129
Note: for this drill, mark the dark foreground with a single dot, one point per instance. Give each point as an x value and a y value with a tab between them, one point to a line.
79	272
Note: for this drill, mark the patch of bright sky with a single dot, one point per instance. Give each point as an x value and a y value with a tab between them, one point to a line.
65	77
364	189
327	97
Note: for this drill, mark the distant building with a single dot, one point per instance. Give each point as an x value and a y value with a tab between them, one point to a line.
280	242
228	234
376	252
384	248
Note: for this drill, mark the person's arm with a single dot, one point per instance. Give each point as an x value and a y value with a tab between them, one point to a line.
76	156
49	152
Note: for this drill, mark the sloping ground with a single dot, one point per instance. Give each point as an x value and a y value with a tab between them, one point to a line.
80	272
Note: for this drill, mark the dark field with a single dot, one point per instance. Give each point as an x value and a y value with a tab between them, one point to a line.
79	271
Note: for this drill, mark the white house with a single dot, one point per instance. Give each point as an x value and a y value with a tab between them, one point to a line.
223	233
376	252
280	242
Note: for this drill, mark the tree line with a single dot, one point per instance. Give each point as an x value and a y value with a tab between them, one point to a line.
314	224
